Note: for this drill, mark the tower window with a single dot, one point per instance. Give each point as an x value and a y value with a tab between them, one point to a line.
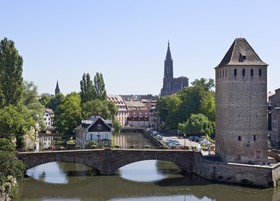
235	72
243	72
239	138
254	137
260	72
252	72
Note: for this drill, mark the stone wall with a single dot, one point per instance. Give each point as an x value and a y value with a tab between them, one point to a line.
242	174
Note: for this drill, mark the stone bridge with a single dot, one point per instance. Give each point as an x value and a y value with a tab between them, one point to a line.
107	161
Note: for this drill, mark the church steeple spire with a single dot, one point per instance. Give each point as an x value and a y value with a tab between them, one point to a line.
57	90
168	54
168	64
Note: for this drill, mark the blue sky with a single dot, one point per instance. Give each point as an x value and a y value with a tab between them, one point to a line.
126	40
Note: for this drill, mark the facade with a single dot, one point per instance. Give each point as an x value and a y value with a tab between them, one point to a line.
275	127
94	129
171	85
122	109
49	119
138	113
274	118
241	105
138	118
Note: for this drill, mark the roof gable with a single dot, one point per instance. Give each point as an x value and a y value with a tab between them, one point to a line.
241	53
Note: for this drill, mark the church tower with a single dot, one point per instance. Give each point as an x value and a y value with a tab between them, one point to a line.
241	88
57	90
168	64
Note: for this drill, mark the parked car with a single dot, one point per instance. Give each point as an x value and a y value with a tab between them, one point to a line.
159	137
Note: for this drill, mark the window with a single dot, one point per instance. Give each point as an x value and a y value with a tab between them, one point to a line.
254	137
239	138
99	127
242	57
235	72
243	72
252	72
260	72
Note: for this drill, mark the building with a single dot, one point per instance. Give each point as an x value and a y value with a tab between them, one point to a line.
275	127
122	109
138	118
171	85
49	119
241	105
94	129
138	113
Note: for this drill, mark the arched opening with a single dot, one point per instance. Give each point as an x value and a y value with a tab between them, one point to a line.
235	72
59	172
243	72
149	171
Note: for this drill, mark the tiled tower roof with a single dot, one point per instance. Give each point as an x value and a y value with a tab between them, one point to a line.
241	53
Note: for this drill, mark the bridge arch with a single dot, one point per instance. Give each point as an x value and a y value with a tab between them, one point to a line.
108	161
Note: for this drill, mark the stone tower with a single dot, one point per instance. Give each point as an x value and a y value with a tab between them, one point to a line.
171	85
57	90
241	87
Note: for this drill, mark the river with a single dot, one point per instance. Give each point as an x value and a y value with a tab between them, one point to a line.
142	181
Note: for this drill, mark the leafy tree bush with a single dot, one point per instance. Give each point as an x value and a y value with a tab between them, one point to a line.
6	145
174	111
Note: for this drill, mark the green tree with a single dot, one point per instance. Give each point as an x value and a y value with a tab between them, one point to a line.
10	166
68	114
30	100
117	127
6	145
197	99
55	101
104	108
87	89
11	85
15	121
197	124
167	109
45	99
99	87
207	84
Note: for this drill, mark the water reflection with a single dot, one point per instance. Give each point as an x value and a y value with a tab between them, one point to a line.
169	184
149	171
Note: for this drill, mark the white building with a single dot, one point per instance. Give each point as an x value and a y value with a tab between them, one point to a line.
95	129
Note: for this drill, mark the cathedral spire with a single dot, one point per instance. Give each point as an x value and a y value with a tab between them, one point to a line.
168	64
168	54
57	90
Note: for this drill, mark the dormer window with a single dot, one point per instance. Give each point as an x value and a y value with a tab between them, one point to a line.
242	57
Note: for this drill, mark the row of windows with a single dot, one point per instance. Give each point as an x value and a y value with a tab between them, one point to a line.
223	73
240	138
